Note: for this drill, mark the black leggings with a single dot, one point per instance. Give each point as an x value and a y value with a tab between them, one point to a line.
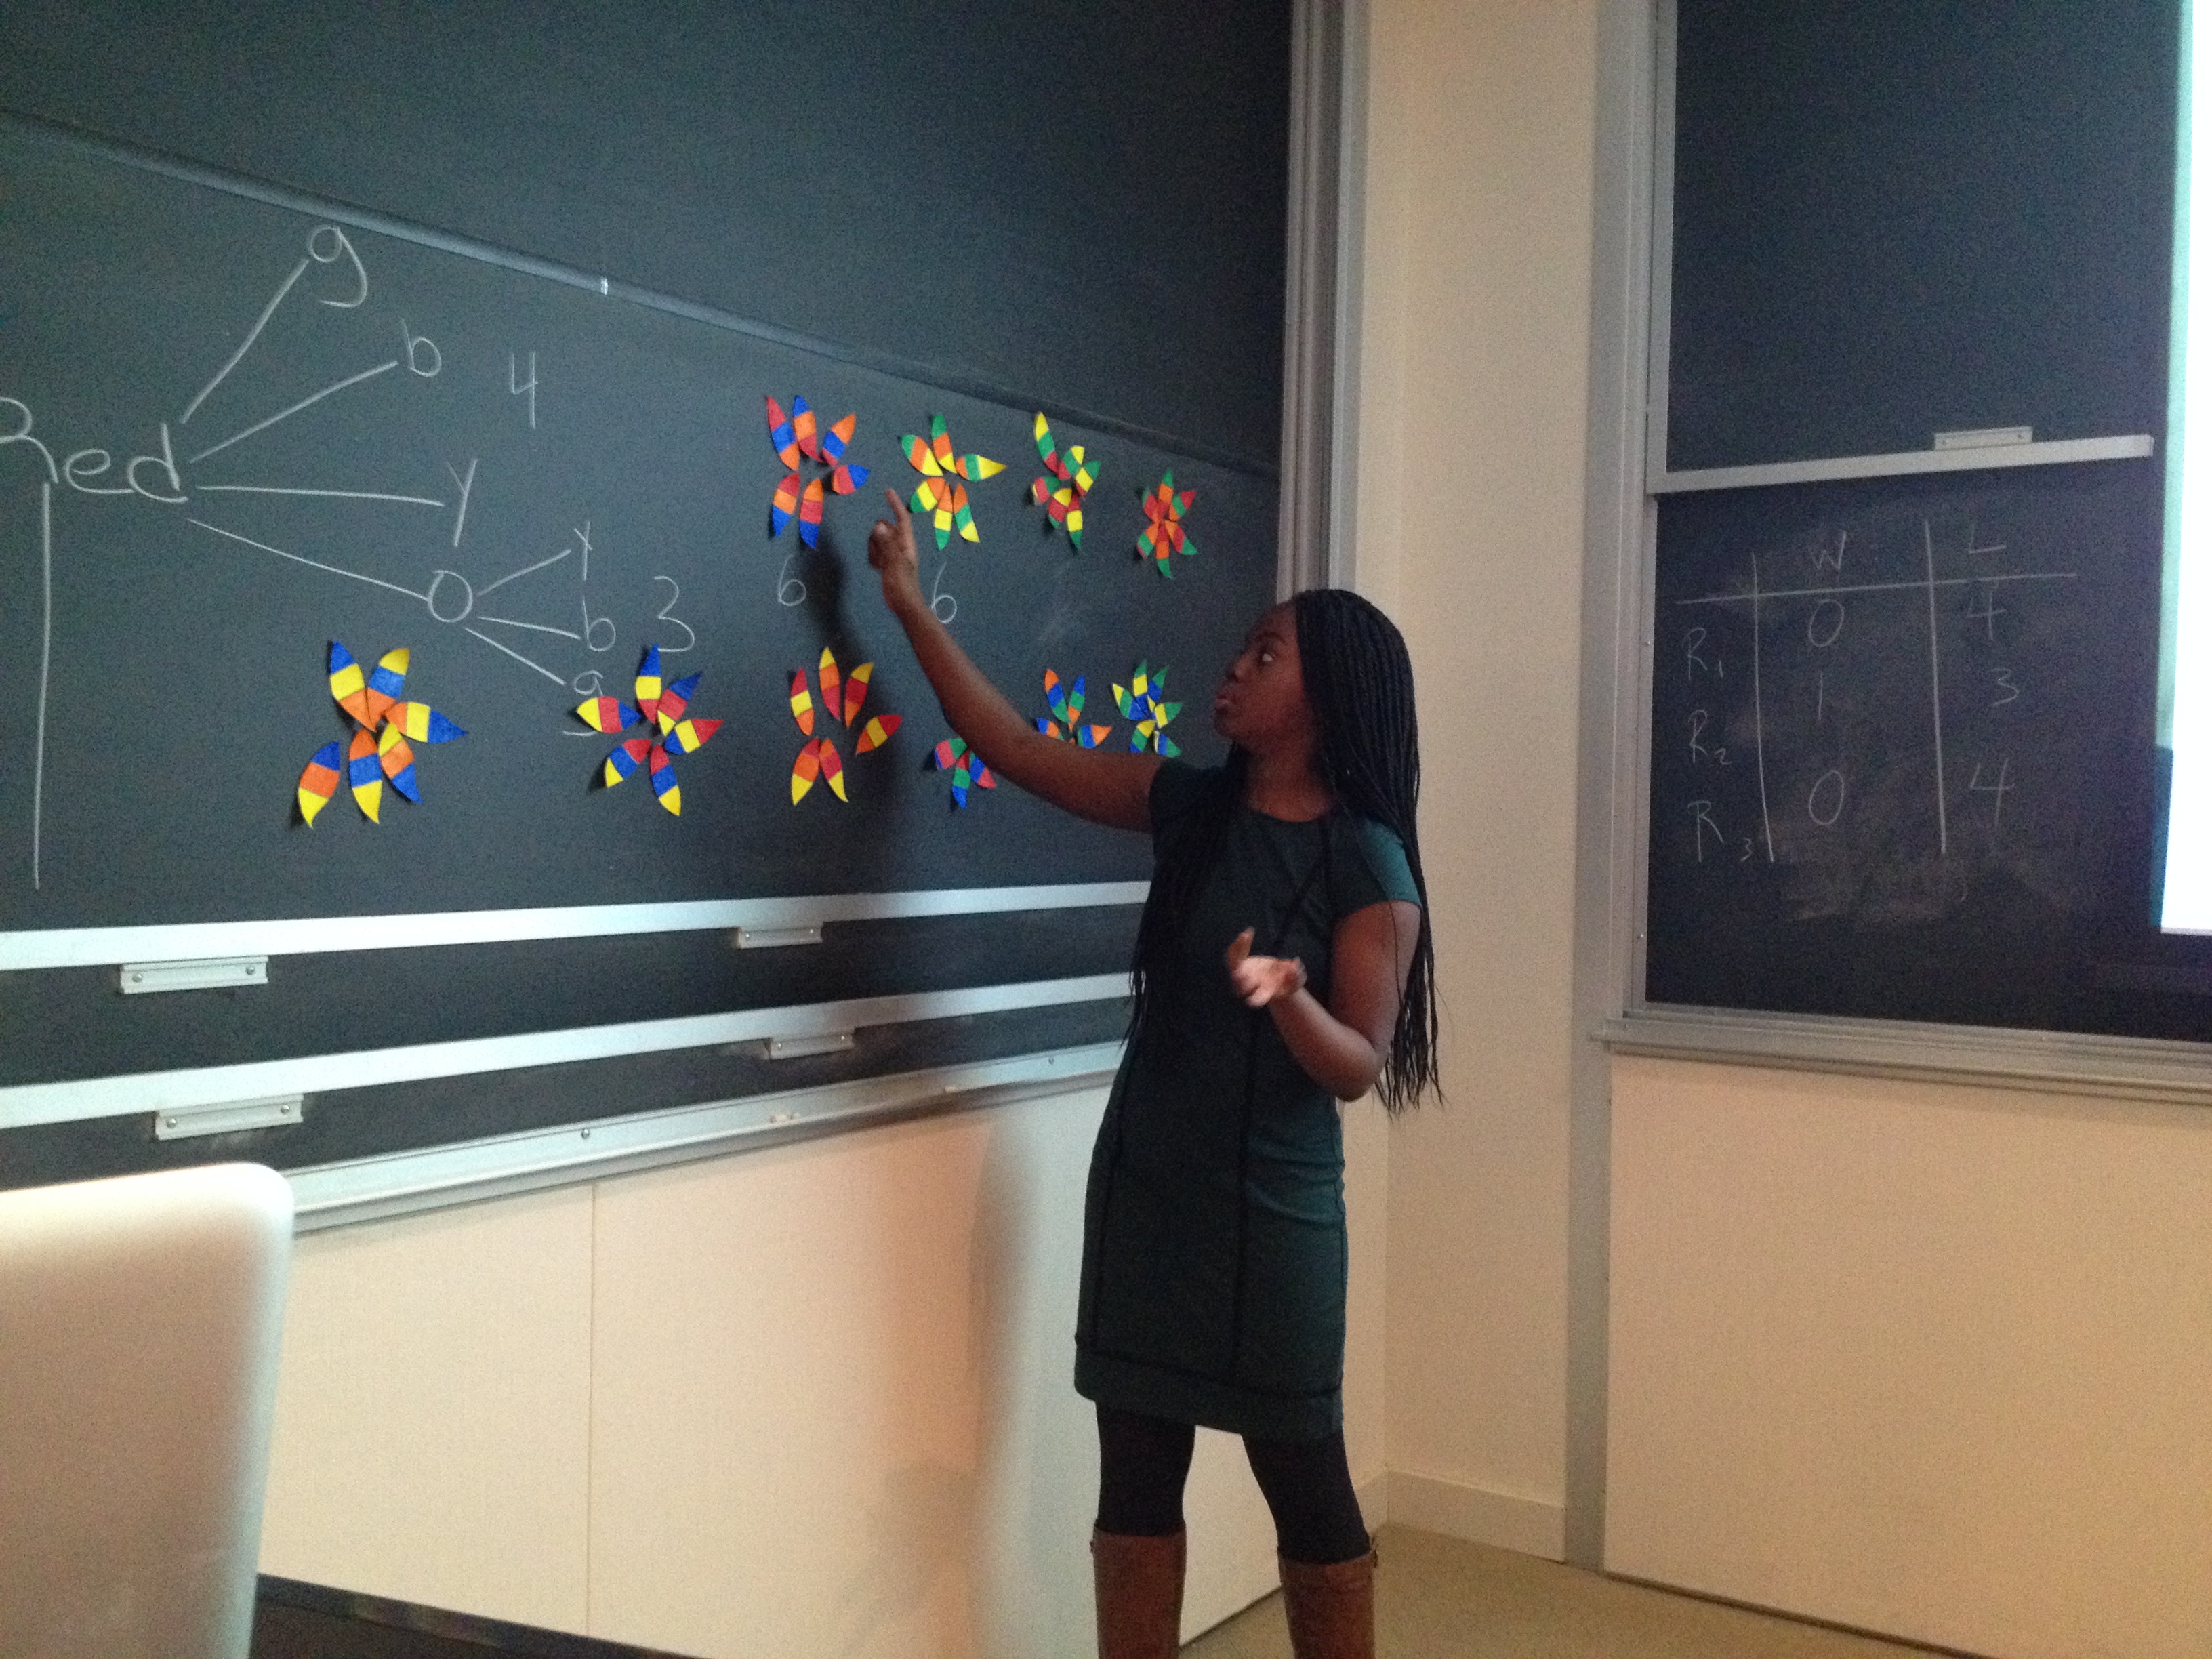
1143	1461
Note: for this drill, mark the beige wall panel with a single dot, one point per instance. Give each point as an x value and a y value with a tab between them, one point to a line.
433	1410
1934	1361
833	1413
1477	283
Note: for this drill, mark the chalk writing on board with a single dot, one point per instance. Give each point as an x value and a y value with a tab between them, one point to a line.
168	472
1871	746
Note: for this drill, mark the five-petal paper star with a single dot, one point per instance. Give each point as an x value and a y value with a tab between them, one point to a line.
661	707
939	493
1066	721
1163	536
383	724
794	437
954	756
1142	703
819	758
1062	495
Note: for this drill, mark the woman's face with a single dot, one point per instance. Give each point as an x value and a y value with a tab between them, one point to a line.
1261	704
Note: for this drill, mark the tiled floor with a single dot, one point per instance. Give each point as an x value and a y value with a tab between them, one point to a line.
1438	1598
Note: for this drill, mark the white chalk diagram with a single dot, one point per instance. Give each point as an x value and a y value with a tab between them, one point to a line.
448	596
1825	801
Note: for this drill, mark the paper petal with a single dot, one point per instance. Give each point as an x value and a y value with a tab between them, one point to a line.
398	762
877	733
802	704
319	780
348	685
806	769
689	737
802	426
833	769
674	699
385	683
825	674
425	724
976	468
856	690
664	779
918	455
783	503
629	755
780	436
835	439
365	774
940	442
606	714
649	683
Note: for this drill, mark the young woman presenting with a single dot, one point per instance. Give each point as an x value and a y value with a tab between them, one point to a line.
1283	964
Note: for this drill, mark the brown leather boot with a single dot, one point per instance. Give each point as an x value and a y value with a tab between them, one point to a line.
1331	1609
1140	1586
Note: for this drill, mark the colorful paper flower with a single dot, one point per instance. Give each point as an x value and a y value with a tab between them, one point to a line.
661	707
1142	703
1066	721
953	755
384	726
795	439
940	494
1062	495
1163	536
841	701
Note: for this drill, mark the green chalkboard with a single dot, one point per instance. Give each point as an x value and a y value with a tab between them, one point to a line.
253	404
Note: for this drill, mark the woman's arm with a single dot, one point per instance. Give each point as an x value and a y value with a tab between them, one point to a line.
1342	1047
1103	786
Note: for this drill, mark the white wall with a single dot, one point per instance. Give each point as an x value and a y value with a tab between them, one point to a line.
1475	337
809	1400
1935	1361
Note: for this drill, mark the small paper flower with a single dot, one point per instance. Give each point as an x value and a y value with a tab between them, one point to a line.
1062	495
384	724
954	756
1141	703
661	707
1066	721
841	701
794	438
940	494
1163	536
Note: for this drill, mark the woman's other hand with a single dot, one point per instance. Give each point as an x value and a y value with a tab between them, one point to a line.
891	551
1260	980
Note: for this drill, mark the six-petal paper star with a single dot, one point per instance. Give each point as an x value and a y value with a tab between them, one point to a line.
940	494
819	757
794	437
1163	536
1066	721
954	756
1062	495
661	707
383	724
1142	701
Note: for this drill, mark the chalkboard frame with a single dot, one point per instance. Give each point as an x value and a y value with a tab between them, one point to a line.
1613	1017
1952	451
1316	481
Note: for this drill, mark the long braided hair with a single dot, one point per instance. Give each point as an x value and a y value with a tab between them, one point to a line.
1359	685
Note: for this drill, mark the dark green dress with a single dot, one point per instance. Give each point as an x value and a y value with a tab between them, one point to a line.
1214	1240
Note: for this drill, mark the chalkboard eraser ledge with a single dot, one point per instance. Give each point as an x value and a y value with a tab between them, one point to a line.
2125	1068
437	1177
1955	457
